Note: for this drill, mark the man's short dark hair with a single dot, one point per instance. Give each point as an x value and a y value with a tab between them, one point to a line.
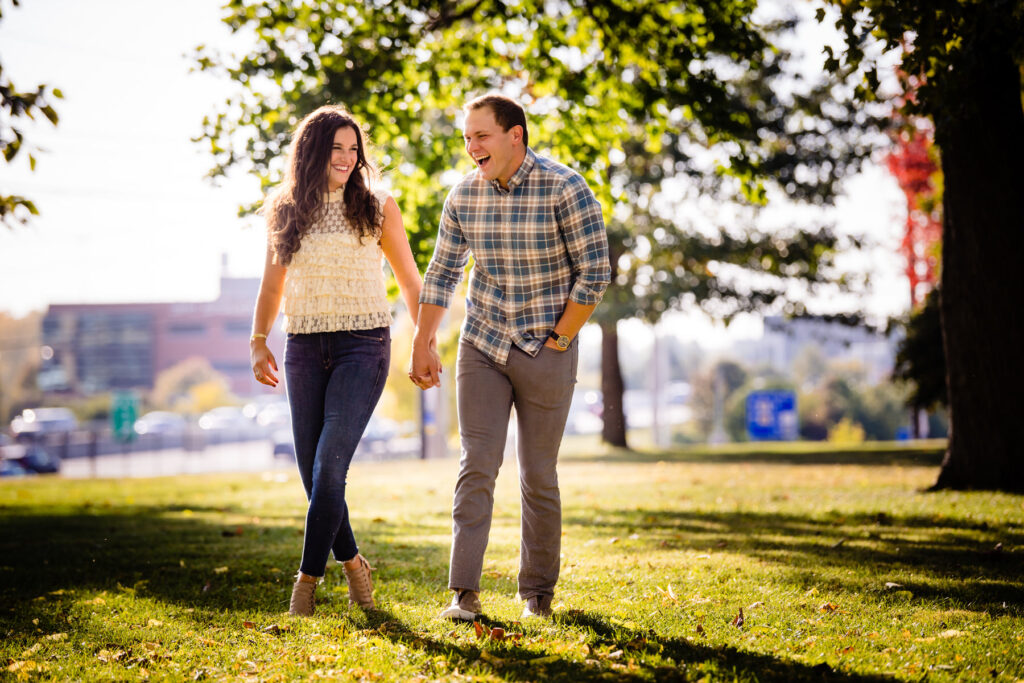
507	112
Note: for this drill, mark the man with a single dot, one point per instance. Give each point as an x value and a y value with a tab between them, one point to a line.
540	248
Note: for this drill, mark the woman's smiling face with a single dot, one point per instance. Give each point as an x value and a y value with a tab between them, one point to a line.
344	156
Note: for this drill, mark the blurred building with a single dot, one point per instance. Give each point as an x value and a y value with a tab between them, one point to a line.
786	338
100	347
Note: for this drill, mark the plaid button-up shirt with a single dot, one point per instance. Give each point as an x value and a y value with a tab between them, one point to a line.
536	245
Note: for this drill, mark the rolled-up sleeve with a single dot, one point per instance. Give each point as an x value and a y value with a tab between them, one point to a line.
451	254
579	215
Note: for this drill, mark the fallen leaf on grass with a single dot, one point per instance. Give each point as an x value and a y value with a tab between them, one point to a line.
617	654
828	607
220	570
323	659
31	651
838	543
751	607
547	659
154	622
497	633
273	629
478	627
248	624
700	631
952	633
738	619
891	584
667	594
22	669
108	656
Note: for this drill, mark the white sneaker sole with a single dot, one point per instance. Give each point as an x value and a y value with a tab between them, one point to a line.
458	614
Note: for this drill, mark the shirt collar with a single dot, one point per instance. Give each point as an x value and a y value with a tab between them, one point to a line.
335	196
519	176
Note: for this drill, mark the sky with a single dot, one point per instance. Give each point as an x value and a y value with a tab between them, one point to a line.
126	214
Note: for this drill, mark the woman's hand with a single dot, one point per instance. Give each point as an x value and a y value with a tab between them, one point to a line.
263	364
425	365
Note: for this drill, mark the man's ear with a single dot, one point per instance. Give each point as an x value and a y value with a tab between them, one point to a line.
517	133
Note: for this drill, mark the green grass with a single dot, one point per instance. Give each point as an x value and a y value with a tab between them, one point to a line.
844	569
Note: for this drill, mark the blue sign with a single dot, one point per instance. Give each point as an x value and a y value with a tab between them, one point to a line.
771	416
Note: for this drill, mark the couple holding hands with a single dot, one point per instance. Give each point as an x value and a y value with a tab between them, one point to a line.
538	240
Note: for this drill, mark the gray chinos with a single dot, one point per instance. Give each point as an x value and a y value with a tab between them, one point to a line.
541	389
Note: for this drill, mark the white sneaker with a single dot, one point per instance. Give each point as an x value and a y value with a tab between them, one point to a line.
465	606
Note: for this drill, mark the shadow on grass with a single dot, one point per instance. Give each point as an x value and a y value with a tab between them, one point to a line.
157	552
679	659
952	559
180	558
883	454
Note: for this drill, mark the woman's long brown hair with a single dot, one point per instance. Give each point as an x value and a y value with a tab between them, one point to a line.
299	200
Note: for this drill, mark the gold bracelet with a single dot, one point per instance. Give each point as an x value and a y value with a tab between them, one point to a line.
257	335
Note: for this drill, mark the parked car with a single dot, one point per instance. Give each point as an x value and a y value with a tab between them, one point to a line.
42	421
161	422
284	446
12	468
30	457
379	432
275	415
226	418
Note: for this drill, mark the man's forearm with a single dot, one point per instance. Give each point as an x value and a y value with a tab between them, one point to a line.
430	316
574	317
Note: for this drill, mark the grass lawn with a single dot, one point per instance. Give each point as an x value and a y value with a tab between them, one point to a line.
843	568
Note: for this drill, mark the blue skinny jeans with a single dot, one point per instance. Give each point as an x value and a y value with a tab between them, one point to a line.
334	380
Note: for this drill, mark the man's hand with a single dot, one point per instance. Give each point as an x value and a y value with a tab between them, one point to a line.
425	364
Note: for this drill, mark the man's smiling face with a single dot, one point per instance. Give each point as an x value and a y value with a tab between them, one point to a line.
497	153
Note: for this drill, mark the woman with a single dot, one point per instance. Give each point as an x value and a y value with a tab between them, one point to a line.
327	231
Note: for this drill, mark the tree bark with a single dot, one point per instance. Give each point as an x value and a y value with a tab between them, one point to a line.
613	430
981	137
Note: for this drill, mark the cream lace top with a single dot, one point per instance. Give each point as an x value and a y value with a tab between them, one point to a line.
335	280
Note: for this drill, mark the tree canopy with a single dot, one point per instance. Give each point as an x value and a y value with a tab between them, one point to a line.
628	93
16	104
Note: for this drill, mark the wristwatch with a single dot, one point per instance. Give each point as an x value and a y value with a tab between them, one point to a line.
561	341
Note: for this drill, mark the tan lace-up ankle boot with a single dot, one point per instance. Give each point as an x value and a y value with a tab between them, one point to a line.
360	583
303	603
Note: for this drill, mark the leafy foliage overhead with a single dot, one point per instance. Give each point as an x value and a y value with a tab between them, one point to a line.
631	93
16	104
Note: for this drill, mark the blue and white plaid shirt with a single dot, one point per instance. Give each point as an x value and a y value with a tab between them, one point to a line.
538	244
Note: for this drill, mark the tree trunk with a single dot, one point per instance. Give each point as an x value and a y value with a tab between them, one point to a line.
981	138
612	388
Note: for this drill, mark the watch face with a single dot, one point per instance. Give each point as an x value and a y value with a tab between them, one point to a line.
562	342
